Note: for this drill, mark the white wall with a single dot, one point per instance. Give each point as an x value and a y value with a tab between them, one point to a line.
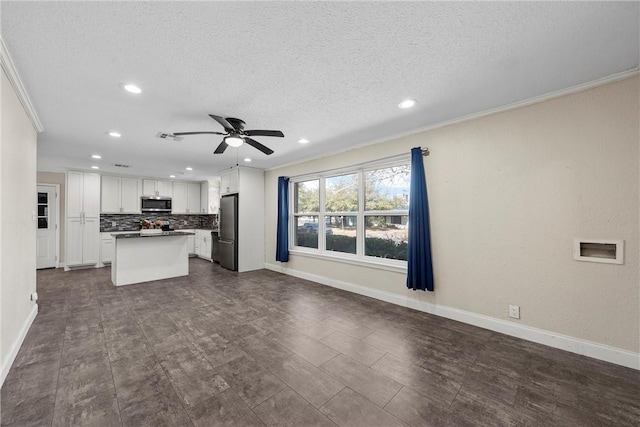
507	193
17	226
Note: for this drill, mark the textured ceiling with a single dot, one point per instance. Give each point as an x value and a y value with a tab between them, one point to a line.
331	72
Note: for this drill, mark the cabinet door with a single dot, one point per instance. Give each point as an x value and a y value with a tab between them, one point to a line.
73	254
233	181
74	194
165	188
191	244
106	250
193	198
179	202
91	196
130	189
149	187
90	241
206	247
197	244
204	197
110	195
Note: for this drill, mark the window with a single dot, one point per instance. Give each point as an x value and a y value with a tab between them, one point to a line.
306	213
360	214
387	212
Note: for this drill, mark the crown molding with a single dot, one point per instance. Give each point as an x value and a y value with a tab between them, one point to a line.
612	78
12	74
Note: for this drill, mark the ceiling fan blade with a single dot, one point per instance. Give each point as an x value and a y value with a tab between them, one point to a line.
256	144
225	124
264	133
223	146
198	133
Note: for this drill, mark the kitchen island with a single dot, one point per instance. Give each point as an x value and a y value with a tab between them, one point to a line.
141	258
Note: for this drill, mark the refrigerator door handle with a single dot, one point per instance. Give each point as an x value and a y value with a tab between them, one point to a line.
226	242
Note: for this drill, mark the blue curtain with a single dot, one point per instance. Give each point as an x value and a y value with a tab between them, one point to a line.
282	242
419	269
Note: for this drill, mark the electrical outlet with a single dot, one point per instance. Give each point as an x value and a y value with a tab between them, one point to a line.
514	311
113	223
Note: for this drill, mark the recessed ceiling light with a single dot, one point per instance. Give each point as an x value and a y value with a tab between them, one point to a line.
95	167
189	168
303	141
96	156
114	134
132	89
172	176
247	160
407	103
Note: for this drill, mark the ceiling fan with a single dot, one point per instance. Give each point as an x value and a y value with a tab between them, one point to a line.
235	135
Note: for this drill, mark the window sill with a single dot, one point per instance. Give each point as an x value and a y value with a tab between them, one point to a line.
391	265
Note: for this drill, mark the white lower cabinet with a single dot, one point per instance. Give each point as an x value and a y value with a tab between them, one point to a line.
106	248
203	244
191	242
107	245
82	244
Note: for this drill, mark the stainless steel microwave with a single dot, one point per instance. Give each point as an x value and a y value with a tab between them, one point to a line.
155	204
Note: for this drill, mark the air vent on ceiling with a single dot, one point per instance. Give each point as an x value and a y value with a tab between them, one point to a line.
120	165
168	136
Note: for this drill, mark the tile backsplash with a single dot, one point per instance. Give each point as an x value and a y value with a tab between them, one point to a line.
131	222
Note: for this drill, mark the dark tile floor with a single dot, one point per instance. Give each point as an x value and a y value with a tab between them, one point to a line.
261	348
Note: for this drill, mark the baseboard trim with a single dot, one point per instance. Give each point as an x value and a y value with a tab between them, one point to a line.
563	342
6	366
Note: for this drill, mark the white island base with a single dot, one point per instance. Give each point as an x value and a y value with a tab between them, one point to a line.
140	259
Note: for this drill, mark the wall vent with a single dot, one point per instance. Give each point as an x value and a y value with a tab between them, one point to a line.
598	250
169	136
120	165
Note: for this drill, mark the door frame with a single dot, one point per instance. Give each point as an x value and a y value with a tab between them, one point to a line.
57	210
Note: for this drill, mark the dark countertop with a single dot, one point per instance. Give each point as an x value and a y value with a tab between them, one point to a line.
163	234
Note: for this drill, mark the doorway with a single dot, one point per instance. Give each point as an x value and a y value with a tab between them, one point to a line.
47	229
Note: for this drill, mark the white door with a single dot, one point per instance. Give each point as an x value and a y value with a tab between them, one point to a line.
46	231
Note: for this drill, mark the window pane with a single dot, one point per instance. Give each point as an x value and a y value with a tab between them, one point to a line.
342	193
386	236
307	231
387	188
43	223
43	198
341	233
42	210
307	196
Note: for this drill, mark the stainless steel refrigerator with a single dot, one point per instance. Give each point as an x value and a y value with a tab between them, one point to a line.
229	232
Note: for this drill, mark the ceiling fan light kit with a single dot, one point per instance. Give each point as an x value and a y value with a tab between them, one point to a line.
233	141
235	135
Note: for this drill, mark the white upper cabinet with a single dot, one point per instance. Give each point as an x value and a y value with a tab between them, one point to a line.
229	181
186	198
110	195
193	199
130	192
165	188
151	187
179	201
120	194
83	194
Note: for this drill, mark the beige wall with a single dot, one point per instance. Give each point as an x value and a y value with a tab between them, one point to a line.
57	178
17	225
508	193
